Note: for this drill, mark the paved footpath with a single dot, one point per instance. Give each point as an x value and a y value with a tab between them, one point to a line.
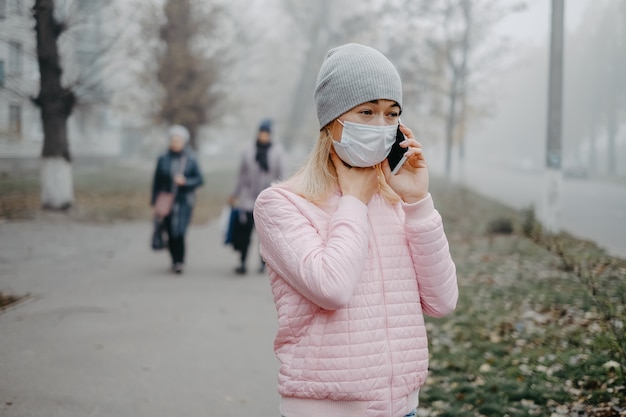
109	331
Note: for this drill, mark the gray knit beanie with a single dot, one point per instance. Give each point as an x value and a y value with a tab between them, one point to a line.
353	74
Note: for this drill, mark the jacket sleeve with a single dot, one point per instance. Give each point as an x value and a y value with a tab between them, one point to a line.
435	270
155	182
280	164
242	175
325	271
193	178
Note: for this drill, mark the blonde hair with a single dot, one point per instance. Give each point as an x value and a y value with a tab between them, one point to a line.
317	178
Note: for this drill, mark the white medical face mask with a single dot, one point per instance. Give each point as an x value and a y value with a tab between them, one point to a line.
364	145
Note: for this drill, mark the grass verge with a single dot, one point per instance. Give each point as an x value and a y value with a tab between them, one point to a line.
111	193
538	330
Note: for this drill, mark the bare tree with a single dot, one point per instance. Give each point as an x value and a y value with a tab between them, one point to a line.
595	105
322	27
584	102
317	31
56	103
185	74
59	93
454	48
444	51
460	51
611	67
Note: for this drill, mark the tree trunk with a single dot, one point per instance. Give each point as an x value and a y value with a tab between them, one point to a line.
593	165
461	161
460	122
301	102
458	87
611	133
193	136
450	124
185	75
57	188
56	104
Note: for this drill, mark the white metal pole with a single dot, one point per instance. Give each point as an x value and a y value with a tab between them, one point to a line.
551	203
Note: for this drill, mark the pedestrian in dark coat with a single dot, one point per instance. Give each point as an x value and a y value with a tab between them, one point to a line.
261	165
177	171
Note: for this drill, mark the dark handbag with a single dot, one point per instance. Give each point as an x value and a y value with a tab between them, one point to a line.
158	239
163	204
232	218
165	200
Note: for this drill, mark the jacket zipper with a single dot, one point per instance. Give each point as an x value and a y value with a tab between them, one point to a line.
382	282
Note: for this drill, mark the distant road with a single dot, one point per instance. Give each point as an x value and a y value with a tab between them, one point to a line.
592	210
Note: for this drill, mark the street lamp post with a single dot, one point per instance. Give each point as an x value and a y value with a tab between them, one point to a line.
551	203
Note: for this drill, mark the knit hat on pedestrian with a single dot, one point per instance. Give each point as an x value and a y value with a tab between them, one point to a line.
265	126
354	74
180	131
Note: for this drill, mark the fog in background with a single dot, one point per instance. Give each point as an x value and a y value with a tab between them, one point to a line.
475	88
514	133
506	149
272	50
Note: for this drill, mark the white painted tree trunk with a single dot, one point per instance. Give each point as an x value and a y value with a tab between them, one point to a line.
57	187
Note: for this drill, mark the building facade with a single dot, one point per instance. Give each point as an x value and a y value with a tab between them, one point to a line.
90	129
20	125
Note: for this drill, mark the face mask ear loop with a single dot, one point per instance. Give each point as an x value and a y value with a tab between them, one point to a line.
332	129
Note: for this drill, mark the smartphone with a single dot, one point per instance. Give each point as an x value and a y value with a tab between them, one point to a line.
397	156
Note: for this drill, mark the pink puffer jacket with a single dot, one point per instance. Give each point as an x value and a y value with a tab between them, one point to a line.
351	283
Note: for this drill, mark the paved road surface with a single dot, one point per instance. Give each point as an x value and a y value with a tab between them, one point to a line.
108	331
591	209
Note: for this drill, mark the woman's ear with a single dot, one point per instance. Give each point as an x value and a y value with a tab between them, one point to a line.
332	130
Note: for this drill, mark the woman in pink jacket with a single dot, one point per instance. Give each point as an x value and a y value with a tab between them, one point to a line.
356	255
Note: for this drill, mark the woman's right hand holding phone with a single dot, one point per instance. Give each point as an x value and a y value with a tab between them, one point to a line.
361	183
411	182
